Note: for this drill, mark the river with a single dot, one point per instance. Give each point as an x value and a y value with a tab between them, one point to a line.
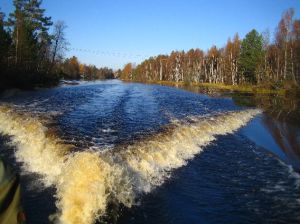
133	153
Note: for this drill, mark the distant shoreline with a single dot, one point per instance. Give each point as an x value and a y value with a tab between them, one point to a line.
247	88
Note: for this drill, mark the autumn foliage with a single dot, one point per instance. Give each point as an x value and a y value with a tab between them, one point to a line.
253	60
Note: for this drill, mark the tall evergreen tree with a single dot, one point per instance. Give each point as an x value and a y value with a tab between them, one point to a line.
251	56
5	41
40	25
30	37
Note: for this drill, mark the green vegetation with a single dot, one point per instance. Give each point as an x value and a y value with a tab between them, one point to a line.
31	56
26	46
247	88
249	65
251	56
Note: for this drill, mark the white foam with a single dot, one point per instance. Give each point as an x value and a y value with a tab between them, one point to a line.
86	181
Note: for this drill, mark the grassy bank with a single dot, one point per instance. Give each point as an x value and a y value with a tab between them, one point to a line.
245	88
260	89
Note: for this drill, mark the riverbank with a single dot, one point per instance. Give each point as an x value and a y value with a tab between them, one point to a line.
284	88
220	86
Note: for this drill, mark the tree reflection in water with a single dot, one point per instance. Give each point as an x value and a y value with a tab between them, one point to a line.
281	117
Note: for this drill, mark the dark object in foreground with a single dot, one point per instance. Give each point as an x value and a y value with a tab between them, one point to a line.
10	205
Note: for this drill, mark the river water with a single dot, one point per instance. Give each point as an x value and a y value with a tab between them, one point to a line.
114	152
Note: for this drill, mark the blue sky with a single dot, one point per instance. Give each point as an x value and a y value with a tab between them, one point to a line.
120	31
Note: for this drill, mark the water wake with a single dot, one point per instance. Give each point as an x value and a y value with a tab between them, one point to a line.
87	181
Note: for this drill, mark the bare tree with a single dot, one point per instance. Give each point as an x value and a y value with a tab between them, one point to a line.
59	44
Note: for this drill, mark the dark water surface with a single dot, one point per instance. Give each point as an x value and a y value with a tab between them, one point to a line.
250	176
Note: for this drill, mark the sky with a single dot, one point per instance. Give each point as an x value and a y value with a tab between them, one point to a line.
115	32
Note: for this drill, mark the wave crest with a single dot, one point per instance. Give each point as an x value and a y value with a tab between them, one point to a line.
87	181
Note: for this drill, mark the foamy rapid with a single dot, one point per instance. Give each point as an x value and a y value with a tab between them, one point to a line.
87	181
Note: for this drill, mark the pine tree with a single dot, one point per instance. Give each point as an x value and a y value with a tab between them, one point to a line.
251	56
5	42
40	25
30	37
17	22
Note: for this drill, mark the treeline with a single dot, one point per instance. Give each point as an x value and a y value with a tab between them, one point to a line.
253	60
31	56
29	52
72	69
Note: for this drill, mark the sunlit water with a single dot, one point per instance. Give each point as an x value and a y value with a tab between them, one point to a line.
132	153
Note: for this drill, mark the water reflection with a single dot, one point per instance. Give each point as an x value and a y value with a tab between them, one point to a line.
280	107
281	120
286	136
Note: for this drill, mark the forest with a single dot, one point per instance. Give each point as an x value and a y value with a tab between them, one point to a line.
32	56
72	68
254	60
